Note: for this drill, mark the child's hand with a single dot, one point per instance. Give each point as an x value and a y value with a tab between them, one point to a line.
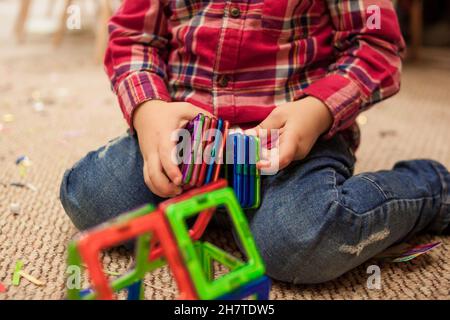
155	121
300	123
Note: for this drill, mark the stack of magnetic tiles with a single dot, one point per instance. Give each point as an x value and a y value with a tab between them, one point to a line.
210	145
163	237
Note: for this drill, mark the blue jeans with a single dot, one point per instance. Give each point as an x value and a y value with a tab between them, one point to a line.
316	221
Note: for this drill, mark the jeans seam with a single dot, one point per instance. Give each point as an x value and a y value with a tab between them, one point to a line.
362	176
441	214
385	203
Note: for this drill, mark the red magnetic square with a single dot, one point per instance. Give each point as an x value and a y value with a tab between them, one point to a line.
92	243
203	218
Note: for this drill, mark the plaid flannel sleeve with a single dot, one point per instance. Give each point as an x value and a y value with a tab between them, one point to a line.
135	58
368	46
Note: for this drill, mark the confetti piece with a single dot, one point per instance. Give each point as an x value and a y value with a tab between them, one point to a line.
23	160
16	274
19	273
416	252
15	208
8	117
17	184
406	252
361	120
62	92
73	133
31	278
36	95
38	106
405	259
2	288
111	273
24	185
388	133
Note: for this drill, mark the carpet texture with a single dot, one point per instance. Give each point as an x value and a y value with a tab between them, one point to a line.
81	114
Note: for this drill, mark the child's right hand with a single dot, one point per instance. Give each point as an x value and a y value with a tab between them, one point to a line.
154	122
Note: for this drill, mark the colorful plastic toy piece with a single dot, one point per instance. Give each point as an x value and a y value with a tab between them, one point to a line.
207	152
203	218
220	152
243	174
177	214
163	236
199	158
210	253
259	289
87	249
255	173
195	128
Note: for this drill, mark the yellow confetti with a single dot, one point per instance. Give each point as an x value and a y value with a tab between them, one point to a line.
22	170
361	120
31	278
111	273
36	95
8	117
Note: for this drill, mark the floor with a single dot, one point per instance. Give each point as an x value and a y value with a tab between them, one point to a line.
80	113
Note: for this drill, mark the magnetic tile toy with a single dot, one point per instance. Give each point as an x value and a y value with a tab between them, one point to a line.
195	128
202	220
89	246
214	152
259	289
178	213
207	152
164	237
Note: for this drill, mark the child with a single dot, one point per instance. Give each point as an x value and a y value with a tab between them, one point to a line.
306	67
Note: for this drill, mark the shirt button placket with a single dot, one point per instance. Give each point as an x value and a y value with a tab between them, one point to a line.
223	81
235	12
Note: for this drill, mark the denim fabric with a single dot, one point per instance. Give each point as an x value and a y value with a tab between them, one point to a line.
316	221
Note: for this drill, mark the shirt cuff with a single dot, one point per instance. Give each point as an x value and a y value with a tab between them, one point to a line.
137	88
342	96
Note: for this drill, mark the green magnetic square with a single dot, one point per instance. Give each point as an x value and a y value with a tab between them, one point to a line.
210	253
257	175
178	213
74	259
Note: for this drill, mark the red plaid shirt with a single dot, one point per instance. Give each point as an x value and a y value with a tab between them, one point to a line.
239	59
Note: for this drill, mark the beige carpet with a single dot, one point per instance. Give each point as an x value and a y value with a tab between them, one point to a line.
81	114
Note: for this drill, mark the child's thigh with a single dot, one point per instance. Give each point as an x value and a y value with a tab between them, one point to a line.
105	183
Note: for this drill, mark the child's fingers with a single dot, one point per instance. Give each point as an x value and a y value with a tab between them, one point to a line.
190	112
147	180
288	149
169	165
263	164
161	185
275	120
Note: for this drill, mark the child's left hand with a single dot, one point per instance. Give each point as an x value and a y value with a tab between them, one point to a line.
300	123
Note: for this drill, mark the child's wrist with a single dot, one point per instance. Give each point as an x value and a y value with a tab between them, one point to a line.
143	111
321	113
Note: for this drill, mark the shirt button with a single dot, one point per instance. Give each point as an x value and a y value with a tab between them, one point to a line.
235	12
223	81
